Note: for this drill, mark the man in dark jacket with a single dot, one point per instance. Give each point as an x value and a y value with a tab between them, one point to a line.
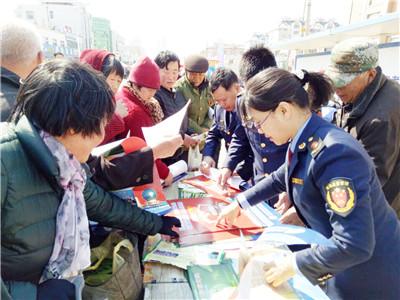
371	109
225	88
20	54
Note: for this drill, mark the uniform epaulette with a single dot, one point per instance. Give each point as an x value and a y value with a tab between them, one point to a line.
315	145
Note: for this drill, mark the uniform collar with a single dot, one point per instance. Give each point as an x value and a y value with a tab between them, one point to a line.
306	133
298	134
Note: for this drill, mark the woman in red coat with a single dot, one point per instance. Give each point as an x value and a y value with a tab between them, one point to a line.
143	110
106	62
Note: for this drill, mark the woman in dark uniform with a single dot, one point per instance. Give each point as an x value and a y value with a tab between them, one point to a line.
331	181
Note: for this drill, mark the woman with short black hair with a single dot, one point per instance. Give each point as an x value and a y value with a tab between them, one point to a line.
46	195
331	181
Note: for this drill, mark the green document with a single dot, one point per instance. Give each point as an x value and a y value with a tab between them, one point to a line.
214	281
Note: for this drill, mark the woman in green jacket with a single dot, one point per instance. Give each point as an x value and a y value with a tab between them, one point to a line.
47	197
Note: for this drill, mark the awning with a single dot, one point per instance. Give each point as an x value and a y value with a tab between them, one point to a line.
381	26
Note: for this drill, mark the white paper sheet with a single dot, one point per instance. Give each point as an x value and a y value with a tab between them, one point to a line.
104	148
169	127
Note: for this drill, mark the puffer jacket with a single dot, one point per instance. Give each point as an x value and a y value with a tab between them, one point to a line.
30	196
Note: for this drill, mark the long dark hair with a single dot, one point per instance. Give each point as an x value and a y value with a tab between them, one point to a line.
61	95
268	88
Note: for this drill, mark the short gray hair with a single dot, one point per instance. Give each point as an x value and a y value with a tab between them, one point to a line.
20	41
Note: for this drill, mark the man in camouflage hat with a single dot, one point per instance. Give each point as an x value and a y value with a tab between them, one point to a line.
370	110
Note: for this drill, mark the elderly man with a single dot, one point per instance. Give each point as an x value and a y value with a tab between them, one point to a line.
371	109
194	85
21	52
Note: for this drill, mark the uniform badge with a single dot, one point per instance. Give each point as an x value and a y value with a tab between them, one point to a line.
297	181
340	196
315	145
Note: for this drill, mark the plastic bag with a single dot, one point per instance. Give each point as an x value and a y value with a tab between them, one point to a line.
194	158
115	271
252	281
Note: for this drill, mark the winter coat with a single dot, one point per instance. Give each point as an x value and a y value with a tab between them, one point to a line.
30	196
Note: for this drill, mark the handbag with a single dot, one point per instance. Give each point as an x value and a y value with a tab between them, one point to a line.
115	272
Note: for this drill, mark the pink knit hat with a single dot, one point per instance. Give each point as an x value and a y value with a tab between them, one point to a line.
145	73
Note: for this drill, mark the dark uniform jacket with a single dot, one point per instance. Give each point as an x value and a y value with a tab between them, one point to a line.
268	157
224	126
332	182
30	196
374	120
8	94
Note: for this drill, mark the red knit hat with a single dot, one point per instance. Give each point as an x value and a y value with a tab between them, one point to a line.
145	73
94	57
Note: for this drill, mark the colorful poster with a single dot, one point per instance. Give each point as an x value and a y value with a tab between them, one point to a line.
198	217
211	187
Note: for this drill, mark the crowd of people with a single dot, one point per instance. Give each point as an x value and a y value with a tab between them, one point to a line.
340	177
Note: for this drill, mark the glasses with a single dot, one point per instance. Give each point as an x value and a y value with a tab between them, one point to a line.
249	123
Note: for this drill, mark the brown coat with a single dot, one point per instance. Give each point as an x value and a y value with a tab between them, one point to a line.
374	120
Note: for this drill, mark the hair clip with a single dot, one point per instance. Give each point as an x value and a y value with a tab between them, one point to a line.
301	75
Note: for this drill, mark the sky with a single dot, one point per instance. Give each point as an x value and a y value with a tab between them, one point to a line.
188	26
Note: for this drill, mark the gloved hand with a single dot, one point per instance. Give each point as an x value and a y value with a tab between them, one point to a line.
168	223
282	270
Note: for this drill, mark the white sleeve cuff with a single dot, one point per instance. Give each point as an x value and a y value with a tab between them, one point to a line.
243	203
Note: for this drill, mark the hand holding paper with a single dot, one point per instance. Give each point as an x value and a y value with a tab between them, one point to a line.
167	147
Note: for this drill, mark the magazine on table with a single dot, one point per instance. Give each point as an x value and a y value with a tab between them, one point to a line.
198	217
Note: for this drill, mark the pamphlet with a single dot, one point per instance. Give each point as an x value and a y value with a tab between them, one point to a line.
171	254
213	281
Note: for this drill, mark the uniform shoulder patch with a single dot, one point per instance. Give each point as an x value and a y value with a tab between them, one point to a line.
315	145
340	196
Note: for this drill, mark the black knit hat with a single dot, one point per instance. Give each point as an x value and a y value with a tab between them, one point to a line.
196	63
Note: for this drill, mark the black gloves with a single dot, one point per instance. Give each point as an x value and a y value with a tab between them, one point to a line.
168	223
